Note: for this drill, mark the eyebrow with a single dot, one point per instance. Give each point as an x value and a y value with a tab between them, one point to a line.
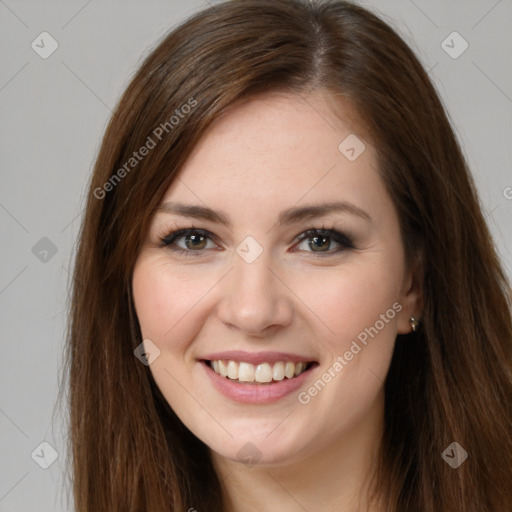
289	216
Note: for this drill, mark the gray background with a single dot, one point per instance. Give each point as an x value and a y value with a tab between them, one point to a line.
53	113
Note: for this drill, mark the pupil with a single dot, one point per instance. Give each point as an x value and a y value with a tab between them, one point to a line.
195	240
315	240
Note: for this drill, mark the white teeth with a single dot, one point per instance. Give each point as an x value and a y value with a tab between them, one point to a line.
264	372
278	371
245	372
299	368
233	370
289	370
223	369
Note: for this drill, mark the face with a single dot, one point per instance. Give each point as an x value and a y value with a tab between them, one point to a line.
257	277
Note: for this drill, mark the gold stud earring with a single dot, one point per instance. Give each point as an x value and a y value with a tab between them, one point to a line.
414	323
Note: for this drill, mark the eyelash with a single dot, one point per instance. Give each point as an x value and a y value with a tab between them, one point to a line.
168	238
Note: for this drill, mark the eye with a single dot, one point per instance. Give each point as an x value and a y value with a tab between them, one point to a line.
320	240
187	241
193	241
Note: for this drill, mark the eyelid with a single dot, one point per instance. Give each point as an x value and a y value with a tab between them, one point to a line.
344	240
168	237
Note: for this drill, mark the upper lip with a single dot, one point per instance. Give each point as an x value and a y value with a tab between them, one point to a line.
257	357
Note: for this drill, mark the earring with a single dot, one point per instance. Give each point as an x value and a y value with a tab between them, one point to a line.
414	323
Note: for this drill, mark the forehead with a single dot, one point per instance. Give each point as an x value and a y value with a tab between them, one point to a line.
279	149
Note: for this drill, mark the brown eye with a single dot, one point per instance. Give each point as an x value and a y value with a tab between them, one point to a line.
320	240
195	241
188	241
318	243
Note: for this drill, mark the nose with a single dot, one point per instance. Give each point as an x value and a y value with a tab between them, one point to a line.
255	300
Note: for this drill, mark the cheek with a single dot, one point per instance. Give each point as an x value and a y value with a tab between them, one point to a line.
353	298
357	307
168	302
154	294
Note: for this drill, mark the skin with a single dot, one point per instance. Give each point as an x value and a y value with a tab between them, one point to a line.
268	154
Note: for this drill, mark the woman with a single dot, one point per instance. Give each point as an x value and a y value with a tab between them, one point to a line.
288	297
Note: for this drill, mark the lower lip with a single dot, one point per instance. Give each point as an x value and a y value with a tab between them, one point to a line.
255	393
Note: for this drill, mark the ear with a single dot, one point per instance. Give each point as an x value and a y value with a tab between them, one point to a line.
412	296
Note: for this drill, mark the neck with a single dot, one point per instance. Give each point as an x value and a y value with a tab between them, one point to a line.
332	477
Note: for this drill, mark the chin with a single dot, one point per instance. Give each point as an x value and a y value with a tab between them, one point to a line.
261	446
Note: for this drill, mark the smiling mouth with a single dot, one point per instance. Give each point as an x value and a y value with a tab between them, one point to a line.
264	373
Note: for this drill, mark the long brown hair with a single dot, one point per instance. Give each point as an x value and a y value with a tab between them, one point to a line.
449	381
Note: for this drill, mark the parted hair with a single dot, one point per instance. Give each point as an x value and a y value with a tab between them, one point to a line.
449	381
